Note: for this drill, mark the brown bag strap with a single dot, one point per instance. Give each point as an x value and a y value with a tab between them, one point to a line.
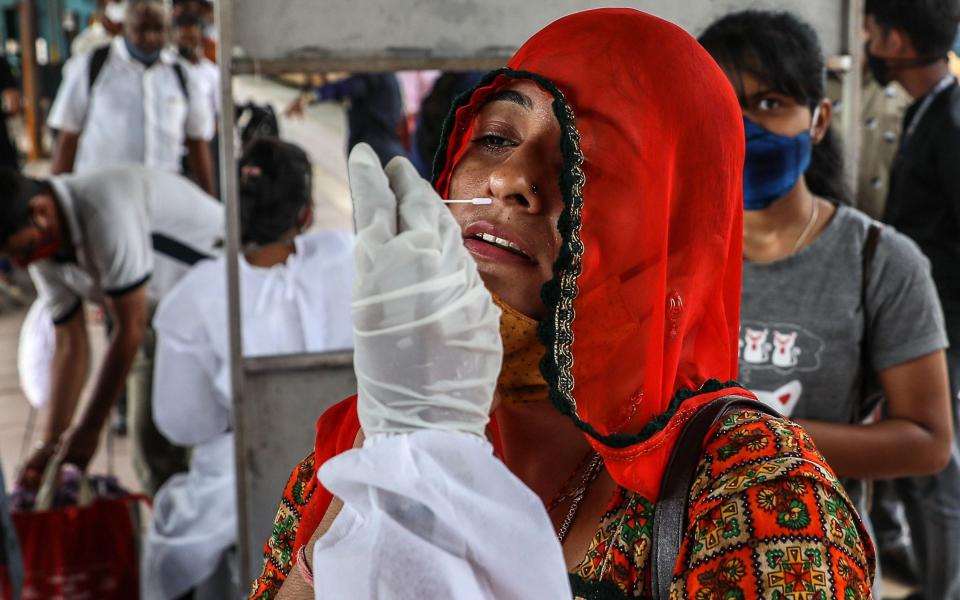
670	514
870	395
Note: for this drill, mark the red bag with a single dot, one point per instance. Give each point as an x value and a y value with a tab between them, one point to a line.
86	551
79	552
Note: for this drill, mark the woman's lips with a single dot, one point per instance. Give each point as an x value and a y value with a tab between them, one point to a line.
496	243
489	251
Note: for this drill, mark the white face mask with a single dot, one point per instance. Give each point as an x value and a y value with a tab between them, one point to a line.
115	11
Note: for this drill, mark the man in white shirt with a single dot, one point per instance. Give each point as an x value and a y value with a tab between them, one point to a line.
102	30
188	34
132	102
188	37
121	237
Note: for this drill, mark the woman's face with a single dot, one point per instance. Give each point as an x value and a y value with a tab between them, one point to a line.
514	158
777	112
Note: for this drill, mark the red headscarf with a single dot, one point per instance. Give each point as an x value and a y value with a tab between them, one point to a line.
643	311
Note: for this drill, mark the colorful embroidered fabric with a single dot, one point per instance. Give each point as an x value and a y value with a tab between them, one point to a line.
767	519
278	552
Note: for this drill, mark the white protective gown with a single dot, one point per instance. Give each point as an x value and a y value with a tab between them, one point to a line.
300	306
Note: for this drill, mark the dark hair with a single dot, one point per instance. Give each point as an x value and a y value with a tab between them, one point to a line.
275	183
931	25
434	109
783	52
15	201
187	19
145	4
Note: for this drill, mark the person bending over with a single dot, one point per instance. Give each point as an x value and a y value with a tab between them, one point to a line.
120	238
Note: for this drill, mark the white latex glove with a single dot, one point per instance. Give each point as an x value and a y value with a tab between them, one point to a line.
427	348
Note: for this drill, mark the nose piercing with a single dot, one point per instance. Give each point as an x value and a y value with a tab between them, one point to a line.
534	189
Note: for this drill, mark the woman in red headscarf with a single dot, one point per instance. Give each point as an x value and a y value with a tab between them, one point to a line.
612	147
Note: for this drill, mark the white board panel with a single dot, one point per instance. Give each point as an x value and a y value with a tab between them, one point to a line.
299	30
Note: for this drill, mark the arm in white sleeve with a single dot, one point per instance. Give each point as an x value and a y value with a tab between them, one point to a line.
201	121
185	405
188	406
69	109
434	514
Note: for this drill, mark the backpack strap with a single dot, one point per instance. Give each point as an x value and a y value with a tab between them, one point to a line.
182	80
670	513
97	60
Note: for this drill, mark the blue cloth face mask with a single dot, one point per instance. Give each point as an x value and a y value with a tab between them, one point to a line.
147	58
774	163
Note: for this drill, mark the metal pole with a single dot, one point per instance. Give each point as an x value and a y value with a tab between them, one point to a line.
852	87
53	21
31	86
228	192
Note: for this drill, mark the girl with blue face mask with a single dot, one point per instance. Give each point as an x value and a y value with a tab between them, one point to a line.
793	171
837	313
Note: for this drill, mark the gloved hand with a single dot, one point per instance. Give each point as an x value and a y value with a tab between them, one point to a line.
427	348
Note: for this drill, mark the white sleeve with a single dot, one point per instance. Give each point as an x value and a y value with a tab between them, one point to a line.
124	250
186	402
60	301
434	514
69	110
200	119
215	82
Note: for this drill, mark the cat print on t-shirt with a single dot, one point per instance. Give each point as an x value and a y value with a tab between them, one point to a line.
781	352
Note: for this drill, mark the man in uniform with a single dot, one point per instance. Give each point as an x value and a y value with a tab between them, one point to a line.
120	237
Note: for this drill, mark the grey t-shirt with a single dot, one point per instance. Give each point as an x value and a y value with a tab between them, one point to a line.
802	324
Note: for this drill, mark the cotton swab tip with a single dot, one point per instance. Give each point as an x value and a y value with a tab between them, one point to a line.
475	201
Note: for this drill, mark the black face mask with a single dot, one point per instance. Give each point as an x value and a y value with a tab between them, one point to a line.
878	67
883	69
188	53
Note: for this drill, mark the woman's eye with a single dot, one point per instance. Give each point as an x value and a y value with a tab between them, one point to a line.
769	104
494	142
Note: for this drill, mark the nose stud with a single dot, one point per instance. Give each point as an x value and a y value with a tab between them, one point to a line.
534	189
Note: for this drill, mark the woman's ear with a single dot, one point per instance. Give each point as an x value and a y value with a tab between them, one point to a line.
43	212
899	45
821	124
306	216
